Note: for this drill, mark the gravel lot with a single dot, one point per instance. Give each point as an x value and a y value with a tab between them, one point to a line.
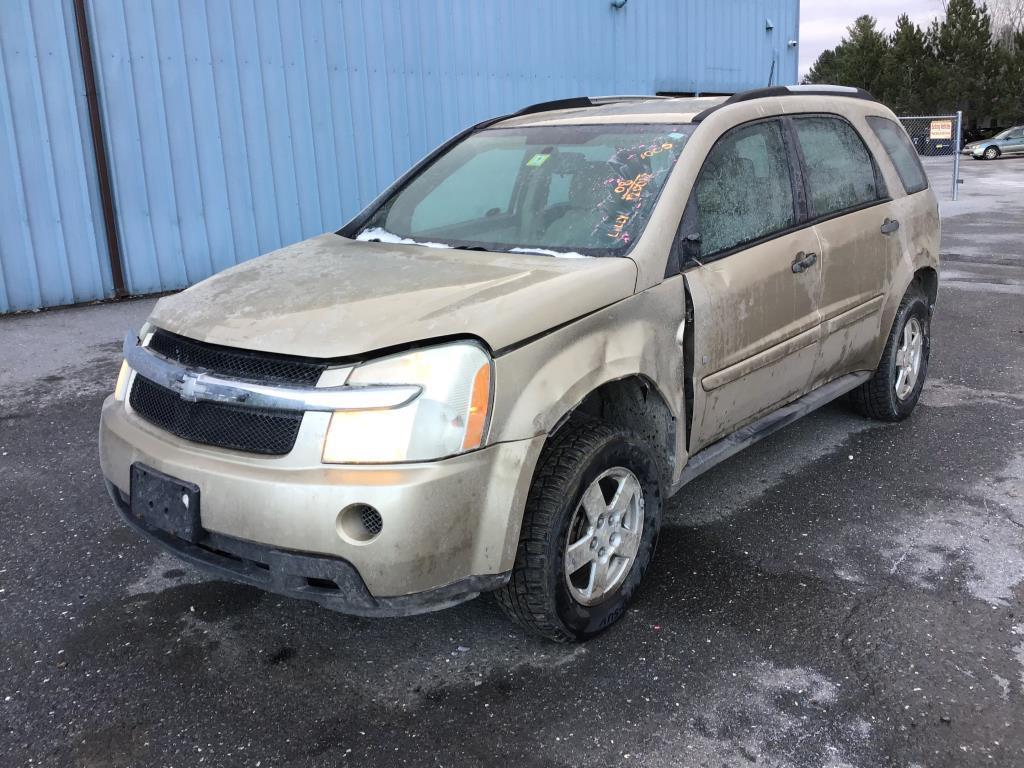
842	594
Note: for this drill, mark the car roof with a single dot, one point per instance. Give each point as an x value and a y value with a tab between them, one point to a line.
661	109
632	110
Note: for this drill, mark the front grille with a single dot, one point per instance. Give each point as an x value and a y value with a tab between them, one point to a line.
253	430
224	425
236	363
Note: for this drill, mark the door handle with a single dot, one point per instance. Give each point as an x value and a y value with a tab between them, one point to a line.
804	261
889	226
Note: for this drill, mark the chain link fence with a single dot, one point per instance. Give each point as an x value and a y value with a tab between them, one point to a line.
938	140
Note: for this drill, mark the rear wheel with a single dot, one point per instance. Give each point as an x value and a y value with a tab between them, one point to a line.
894	389
991	153
589	531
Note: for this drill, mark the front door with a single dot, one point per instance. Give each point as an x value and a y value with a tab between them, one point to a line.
755	294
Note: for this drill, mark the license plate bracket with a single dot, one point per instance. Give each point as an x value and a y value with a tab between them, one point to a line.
165	502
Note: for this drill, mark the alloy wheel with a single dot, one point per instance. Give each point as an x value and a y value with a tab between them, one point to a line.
604	536
909	357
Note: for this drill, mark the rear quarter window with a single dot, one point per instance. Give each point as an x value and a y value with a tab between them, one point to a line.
900	150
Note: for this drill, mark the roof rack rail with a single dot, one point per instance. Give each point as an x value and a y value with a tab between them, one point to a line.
581	102
788	90
615	98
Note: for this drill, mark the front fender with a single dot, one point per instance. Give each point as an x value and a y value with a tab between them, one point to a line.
538	384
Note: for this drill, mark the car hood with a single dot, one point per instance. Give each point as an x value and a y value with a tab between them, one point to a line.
331	297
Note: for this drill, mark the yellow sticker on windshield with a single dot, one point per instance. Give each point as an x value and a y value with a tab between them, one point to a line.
537	160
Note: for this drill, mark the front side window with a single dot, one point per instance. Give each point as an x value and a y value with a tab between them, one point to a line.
744	191
582	189
901	152
840	171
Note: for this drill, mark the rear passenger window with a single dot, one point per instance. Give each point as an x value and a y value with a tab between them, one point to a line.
840	171
901	152
744	190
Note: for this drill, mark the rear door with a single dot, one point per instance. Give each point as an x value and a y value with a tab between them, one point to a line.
848	202
755	294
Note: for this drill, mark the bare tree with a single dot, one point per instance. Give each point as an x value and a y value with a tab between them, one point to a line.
1007	19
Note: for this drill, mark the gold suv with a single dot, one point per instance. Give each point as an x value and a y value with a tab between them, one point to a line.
496	374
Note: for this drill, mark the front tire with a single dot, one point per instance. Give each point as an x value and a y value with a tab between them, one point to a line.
992	153
589	532
893	391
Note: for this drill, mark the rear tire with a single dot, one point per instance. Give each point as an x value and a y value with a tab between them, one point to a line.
894	389
608	466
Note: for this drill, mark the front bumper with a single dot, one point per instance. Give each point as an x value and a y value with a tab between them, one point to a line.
329	581
444	522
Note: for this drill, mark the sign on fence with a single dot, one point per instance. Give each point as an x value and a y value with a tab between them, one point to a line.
941	129
938	140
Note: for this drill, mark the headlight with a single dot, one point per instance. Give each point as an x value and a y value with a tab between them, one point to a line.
122	381
449	416
124	376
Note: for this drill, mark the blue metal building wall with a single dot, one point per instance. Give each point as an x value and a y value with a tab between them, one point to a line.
52	243
237	126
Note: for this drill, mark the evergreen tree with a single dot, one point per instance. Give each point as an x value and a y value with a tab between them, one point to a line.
856	60
962	62
825	69
908	71
1008	104
962	43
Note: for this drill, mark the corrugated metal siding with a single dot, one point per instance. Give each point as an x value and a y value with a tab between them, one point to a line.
237	126
52	245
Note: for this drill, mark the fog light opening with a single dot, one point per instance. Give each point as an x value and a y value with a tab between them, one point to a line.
359	523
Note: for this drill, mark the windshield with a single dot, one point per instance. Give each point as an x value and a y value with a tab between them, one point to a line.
566	190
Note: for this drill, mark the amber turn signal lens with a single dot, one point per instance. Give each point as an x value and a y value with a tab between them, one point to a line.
479	402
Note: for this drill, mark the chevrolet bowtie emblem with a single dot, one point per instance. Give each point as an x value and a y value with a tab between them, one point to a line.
189	388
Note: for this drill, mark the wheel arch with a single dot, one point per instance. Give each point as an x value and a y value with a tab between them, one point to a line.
928	279
635	403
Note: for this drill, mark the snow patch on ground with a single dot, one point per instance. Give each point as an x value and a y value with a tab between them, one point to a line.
939	393
984	531
1018	629
165	572
816	688
761	715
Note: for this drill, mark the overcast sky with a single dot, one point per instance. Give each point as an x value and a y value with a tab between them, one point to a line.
823	22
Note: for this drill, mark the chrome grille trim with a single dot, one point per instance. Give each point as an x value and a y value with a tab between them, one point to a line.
196	384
